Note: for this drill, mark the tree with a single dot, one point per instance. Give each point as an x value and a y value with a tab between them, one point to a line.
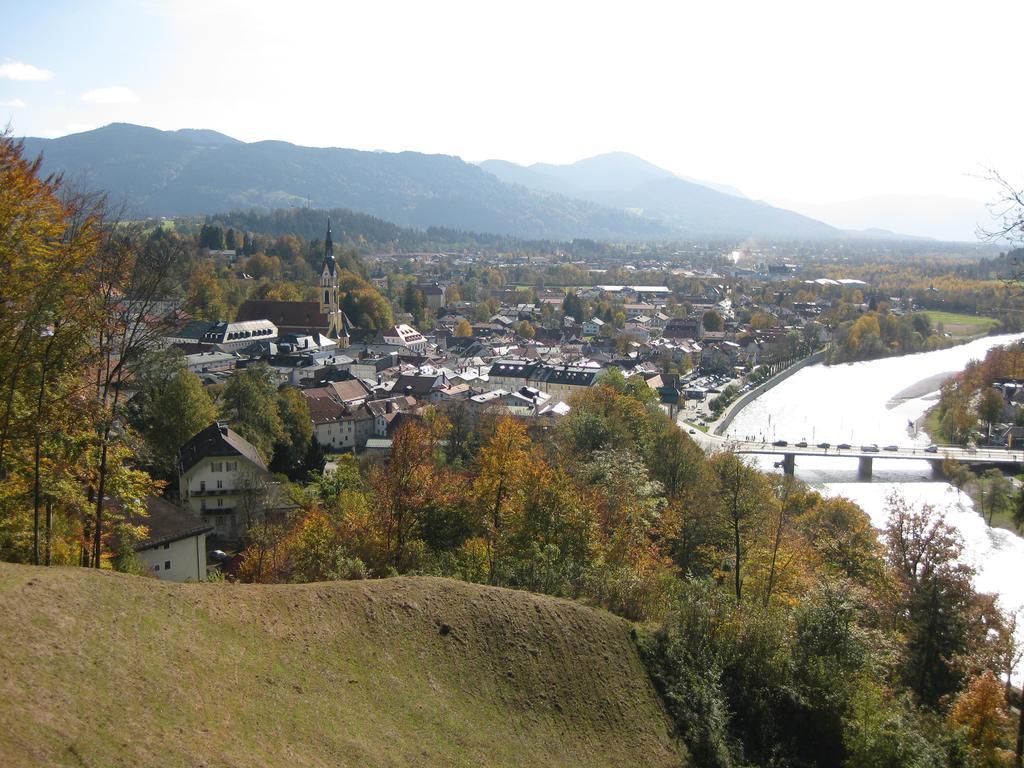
249	402
938	610
990	407
526	330
980	710
995	494
179	411
738	486
402	488
497	485
205	297
713	321
293	446
463	328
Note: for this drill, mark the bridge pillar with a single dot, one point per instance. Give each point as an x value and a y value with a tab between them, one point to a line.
937	472
864	467
789	463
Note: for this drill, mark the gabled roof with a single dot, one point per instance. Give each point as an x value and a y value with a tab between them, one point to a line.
286	315
167	523
217	440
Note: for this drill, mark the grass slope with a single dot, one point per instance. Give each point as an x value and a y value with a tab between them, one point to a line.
102	669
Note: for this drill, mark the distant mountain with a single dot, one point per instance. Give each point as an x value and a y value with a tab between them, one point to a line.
189	172
930	216
624	181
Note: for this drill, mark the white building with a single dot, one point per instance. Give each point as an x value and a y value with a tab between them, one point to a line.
175	549
403	335
219	472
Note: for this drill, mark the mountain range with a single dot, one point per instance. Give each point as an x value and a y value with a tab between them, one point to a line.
615	196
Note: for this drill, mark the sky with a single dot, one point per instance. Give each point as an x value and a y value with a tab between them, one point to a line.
799	101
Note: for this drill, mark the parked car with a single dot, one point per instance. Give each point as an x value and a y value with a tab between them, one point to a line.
870	448
891	448
780	443
843	446
933	448
693	431
826	446
802	444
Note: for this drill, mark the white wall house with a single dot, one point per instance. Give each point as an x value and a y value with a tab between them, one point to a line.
219	471
404	335
175	549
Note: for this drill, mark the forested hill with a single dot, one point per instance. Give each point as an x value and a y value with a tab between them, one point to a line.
107	669
613	197
692	209
175	173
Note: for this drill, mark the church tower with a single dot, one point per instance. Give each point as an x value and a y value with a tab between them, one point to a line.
329	301
329	277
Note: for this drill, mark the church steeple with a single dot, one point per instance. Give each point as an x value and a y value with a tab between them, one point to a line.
329	244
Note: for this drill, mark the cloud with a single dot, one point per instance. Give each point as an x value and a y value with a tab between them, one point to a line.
113	94
16	70
13	103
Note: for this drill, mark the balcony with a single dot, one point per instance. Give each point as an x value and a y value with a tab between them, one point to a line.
208	492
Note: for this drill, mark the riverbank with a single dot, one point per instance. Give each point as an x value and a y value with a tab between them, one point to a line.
928	424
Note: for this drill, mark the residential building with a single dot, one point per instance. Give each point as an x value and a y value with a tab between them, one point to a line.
219	475
175	547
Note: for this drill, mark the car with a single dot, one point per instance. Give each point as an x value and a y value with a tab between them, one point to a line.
891	448
933	448
870	448
843	446
802	444
780	443
826	446
693	431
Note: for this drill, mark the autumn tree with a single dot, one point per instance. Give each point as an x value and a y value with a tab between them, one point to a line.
739	492
403	487
939	610
497	484
980	711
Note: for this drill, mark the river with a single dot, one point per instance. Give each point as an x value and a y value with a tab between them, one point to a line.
874	402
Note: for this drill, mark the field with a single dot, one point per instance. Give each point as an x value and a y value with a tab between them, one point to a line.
962	326
103	669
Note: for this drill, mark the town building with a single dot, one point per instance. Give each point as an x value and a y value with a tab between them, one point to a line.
219	471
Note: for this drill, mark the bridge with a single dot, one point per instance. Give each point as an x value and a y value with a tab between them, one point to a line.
988	457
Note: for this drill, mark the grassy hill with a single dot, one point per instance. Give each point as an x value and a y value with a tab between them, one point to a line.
102	669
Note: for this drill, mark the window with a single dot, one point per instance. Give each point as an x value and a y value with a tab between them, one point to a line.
220	484
167	565
156	567
232	466
167	546
220	502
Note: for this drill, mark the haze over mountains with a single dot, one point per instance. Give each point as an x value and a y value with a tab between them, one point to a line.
615	196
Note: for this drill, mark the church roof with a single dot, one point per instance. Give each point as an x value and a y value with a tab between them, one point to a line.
329	263
288	316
